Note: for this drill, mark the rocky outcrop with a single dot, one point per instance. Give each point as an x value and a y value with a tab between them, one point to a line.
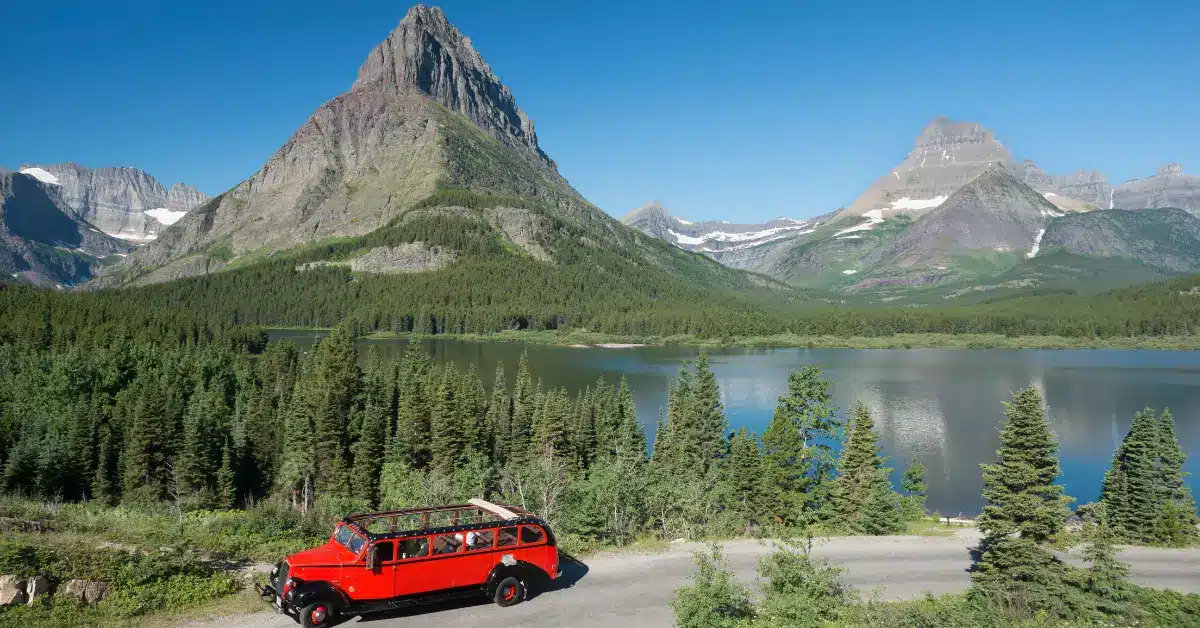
1169	187
86	591
414	257
125	203
947	155
41	240
36	587
12	591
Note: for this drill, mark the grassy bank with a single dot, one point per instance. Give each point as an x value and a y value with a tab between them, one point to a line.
897	341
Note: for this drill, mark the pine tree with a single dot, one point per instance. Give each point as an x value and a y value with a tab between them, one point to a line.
499	416
628	436
447	443
914	488
1105	578
472	411
799	465
192	464
413	408
524	402
296	469
226	481
882	511
1024	509
859	465
1135	470
368	450
1177	519
745	476
709	416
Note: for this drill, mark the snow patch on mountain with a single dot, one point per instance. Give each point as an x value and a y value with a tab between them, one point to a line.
849	272
41	175
1037	244
686	239
917	203
874	217
164	215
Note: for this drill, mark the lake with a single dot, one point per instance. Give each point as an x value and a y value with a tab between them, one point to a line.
941	404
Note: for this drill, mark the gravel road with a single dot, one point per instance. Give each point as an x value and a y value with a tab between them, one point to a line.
633	590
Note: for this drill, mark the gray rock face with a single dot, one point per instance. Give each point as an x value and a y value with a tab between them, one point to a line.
414	257
429	55
947	155
994	212
116	200
1088	189
1168	239
1170	187
42	241
743	246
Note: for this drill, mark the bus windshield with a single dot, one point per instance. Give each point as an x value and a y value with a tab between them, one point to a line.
348	539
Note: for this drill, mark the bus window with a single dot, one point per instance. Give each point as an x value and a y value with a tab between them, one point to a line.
446	544
385	551
507	537
414	548
481	539
531	534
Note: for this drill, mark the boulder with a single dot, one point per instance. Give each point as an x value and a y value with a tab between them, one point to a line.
87	591
37	587
12	591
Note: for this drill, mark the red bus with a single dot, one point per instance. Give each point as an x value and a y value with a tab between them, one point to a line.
386	560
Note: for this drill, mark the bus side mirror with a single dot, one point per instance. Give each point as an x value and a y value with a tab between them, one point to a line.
372	558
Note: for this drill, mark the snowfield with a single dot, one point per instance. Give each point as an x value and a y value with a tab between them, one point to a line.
41	175
164	215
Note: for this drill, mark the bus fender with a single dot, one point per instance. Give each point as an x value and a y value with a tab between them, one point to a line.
307	592
508	566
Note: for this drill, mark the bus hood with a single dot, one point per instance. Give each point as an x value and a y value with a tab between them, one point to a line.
331	554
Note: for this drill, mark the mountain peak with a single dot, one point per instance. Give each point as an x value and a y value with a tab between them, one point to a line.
429	55
1169	170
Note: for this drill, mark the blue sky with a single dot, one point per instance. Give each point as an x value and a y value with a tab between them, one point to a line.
737	111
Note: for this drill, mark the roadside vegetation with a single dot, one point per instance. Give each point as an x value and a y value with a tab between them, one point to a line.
1016	578
173	458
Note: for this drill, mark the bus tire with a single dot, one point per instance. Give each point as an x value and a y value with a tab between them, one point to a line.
510	591
317	614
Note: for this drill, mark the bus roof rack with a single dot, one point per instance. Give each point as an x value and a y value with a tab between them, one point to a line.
499	511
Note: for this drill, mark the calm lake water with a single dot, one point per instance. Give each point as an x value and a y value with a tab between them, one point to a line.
941	404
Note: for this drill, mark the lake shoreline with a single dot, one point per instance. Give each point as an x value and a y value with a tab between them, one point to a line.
589	340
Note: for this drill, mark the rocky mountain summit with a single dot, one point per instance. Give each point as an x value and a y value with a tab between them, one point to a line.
947	155
125	203
1169	187
42	241
427	157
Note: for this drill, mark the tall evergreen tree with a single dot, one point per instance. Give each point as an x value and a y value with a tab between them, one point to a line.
859	466
914	489
525	403
1024	510
447	442
1177	508
1135	470
745	477
628	436
499	416
1105	579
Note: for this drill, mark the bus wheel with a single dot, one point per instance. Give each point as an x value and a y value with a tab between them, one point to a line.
316	614
510	591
